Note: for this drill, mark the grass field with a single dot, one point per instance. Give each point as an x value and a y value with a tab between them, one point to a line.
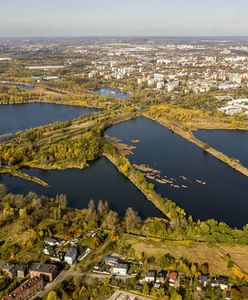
197	252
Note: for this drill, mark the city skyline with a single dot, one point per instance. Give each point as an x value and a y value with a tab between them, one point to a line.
123	18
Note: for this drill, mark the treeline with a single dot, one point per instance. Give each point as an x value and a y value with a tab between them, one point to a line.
77	287
10	95
40	216
15	95
189	116
177	114
37	217
203	102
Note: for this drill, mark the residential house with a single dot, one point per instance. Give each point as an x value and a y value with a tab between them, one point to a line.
173	278
9	269
223	282
49	250
214	282
111	260
57	257
160	278
120	269
21	271
47	271
51	242
71	255
150	276
204	279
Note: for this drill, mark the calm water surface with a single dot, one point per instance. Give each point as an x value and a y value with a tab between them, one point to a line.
224	197
20	86
234	143
17	117
111	92
100	181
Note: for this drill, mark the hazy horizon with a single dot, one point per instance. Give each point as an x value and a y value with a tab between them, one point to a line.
75	18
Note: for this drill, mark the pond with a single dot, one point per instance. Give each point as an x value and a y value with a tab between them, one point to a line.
233	143
100	181
198	182
18	117
24	87
111	92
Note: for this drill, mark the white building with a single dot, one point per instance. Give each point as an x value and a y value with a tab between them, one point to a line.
150	82
235	106
92	74
71	255
171	86
236	78
163	61
120	269
47	78
160	85
5	58
158	77
43	67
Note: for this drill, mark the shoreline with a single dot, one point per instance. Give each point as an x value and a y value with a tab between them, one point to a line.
18	173
53	102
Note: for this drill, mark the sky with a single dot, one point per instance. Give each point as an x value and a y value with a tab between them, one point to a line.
123	18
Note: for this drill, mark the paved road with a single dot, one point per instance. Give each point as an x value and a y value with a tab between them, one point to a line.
72	272
61	277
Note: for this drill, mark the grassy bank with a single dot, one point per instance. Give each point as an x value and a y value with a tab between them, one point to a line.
17	173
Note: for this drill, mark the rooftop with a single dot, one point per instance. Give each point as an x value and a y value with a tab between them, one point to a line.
71	252
22	288
42	268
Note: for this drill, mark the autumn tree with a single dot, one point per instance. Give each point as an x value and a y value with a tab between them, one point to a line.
102	207
112	221
3	190
132	220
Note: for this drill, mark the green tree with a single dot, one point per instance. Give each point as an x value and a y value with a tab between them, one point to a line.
3	190
146	289
52	296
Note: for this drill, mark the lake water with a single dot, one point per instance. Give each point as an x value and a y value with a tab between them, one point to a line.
111	92
17	117
224	197
100	181
18	85
233	143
